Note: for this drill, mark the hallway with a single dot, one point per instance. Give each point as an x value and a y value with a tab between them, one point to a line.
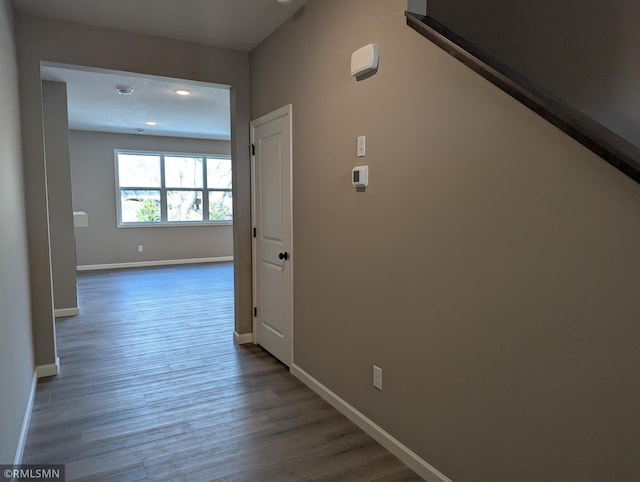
153	388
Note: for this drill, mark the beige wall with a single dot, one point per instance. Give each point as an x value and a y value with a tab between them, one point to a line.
491	268
40	39
56	141
93	179
16	353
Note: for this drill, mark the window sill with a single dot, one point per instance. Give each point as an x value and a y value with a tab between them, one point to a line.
174	225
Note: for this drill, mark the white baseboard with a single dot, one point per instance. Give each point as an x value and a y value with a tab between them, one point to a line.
393	445
243	339
145	264
48	370
62	312
25	421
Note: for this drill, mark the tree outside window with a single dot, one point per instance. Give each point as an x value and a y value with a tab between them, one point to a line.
165	189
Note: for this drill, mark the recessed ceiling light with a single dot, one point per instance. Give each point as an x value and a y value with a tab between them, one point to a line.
183	92
151	123
124	90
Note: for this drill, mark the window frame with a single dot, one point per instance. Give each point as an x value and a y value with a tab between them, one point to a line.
163	189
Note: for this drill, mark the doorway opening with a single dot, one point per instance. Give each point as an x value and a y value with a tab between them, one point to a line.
174	176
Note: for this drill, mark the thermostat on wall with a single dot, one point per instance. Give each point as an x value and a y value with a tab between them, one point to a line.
360	176
364	60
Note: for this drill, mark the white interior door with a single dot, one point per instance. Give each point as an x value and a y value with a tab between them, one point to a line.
272	247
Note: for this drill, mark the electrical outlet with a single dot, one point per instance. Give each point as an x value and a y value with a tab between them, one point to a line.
140	248
377	377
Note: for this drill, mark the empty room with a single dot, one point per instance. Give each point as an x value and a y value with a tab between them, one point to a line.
320	240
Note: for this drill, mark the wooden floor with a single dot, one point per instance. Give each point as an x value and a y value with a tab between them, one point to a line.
152	387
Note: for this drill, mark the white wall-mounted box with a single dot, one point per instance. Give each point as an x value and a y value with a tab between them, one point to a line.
364	60
80	219
360	176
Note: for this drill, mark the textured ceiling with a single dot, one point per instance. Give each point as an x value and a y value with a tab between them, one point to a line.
233	24
95	105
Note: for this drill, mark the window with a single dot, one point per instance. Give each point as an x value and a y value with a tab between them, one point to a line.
165	189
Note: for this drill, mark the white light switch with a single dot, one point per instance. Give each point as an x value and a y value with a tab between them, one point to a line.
362	146
377	377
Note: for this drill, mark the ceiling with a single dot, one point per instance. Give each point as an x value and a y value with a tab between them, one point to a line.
95	105
232	24
93	101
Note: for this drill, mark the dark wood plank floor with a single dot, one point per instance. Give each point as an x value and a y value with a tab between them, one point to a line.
153	388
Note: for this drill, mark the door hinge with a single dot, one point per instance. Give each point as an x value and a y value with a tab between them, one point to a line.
255	234
255	311
253	149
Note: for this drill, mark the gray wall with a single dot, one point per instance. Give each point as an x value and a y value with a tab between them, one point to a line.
584	51
491	268
40	39
93	180
56	142
16	353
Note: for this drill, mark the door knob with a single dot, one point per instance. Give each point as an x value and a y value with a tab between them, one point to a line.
284	256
